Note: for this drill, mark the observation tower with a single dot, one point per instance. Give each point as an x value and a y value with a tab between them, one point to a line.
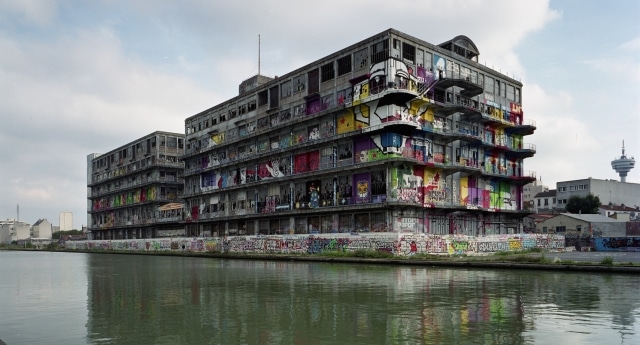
623	165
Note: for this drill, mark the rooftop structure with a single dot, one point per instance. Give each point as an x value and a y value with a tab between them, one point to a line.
623	165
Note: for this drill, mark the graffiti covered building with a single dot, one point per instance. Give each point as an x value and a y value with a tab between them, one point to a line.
392	134
133	190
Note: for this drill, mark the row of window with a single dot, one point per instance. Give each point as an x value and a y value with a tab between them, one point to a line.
310	81
574	188
139	149
560	229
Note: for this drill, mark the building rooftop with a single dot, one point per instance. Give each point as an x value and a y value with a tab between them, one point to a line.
618	208
546	194
591	217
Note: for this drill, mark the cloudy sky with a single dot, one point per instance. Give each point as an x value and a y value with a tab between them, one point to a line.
88	76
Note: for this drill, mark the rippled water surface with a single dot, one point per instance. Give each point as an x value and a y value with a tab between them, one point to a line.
68	298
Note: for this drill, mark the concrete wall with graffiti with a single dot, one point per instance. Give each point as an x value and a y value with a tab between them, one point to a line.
610	244
397	244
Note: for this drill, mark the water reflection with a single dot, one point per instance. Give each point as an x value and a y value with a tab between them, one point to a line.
174	300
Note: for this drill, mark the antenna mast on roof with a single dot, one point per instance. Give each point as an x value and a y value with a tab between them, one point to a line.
258	54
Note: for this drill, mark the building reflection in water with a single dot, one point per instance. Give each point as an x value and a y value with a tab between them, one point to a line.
155	299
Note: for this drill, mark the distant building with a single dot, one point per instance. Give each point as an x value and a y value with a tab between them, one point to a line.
12	230
529	192
531	221
42	229
133	190
545	202
579	230
608	191
617	210
66	221
586	224
5	232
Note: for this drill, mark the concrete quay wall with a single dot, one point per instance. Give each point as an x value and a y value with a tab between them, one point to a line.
399	244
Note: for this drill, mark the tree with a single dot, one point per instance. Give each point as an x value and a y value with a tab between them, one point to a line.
56	235
583	204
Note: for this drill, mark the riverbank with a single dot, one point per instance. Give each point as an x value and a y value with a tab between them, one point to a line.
526	260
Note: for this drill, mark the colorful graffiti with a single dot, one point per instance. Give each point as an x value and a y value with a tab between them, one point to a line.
128	198
398	244
380	107
617	244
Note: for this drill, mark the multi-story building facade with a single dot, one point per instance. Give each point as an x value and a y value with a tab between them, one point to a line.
545	202
391	134
12	230
66	221
133	190
42	229
608	191
529	192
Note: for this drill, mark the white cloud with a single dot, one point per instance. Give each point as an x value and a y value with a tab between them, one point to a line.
631	46
562	139
90	84
27	12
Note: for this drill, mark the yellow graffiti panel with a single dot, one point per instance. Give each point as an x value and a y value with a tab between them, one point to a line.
346	122
218	138
364	91
362	116
464	189
428	115
416	104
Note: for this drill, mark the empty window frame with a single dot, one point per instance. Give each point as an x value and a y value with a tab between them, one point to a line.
409	52
314	82
488	84
263	98
344	65
286	89
380	51
274	97
328	72
361	59
299	83
511	93
428	60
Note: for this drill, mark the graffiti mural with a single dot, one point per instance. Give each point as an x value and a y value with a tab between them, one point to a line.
434	187
371	106
617	244
406	184
400	244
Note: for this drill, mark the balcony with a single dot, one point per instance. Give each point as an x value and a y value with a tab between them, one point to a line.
522	128
521	152
470	89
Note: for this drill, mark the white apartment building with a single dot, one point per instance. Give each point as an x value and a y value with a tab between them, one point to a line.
608	191
66	221
530	191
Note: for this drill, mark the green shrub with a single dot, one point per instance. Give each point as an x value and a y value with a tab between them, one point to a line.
607	260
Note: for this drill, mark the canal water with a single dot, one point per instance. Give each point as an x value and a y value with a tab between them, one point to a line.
75	298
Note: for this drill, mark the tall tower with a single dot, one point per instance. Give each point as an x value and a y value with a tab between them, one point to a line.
623	165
